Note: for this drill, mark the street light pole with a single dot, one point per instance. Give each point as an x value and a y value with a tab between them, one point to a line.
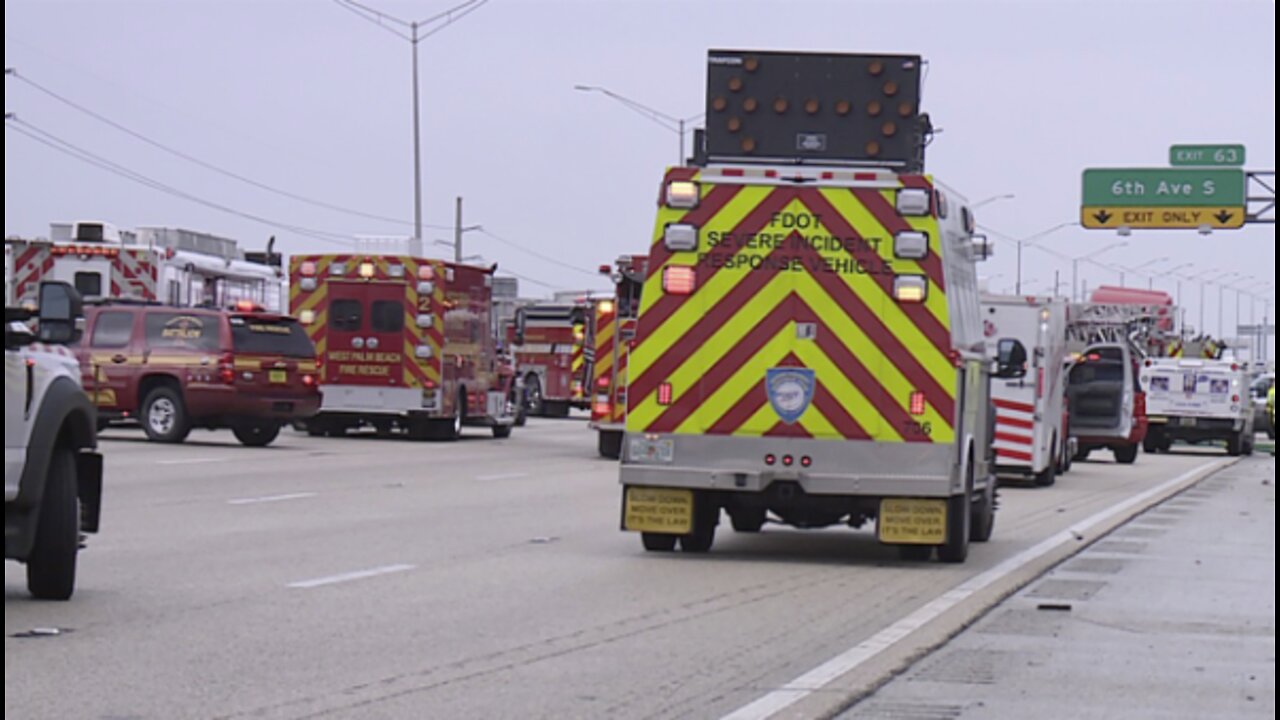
1076	295
414	32
1030	240
670	122
417	149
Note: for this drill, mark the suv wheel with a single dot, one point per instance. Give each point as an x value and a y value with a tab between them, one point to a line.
164	416
256	434
51	567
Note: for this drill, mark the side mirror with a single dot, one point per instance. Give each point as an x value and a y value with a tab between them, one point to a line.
1011	358
61	314
519	334
983	247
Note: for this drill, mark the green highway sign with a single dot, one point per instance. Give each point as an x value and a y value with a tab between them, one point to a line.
1207	155
1163	187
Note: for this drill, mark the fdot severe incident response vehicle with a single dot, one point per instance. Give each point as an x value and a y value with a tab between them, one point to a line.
809	343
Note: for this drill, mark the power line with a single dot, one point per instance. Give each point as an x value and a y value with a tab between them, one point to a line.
546	258
56	143
203	163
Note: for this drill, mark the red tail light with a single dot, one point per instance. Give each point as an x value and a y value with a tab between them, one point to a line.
806	461
227	369
664	393
602	382
429	385
308	379
1235	398
917	403
787	460
679	279
602	409
770	459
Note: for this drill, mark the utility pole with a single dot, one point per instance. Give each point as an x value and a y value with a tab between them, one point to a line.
457	230
416	249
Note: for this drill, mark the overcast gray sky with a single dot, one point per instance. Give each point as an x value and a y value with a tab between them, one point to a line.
306	97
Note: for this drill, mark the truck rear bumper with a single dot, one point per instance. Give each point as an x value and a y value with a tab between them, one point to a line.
875	469
1195	428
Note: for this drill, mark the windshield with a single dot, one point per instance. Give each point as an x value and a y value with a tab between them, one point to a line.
277	336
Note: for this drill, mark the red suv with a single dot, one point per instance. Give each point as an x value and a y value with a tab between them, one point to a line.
178	368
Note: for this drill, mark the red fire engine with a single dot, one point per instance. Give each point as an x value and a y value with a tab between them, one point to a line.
549	344
404	343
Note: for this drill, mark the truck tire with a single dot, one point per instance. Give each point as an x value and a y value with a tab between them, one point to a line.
1046	477
956	548
533	403
658	542
1235	445
164	415
1151	443
610	444
705	518
256	434
1082	454
1126	454
502	431
555	408
983	512
748	520
51	567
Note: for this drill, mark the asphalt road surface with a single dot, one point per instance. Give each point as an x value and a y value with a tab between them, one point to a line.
372	578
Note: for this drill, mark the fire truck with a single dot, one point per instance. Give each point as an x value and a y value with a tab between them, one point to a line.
404	343
614	331
809	347
549	342
1030	439
168	265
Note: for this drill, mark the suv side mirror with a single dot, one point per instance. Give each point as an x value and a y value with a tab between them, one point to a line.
61	314
519	333
1011	358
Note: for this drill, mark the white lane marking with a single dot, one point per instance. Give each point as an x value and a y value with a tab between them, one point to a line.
270	498
189	461
502	476
804	685
348	577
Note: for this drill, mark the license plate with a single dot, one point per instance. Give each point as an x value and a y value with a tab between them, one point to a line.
659	510
1187	421
278	376
644	450
916	521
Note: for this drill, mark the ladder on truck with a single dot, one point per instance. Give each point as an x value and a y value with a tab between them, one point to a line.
1147	329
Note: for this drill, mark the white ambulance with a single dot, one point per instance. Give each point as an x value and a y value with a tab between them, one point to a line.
1030	438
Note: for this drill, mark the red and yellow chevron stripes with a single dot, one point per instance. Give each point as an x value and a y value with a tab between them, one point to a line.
605	322
768	295
417	372
622	357
578	363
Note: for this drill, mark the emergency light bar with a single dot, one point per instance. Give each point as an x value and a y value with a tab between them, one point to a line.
680	237
911	245
682	194
910	288
912	202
